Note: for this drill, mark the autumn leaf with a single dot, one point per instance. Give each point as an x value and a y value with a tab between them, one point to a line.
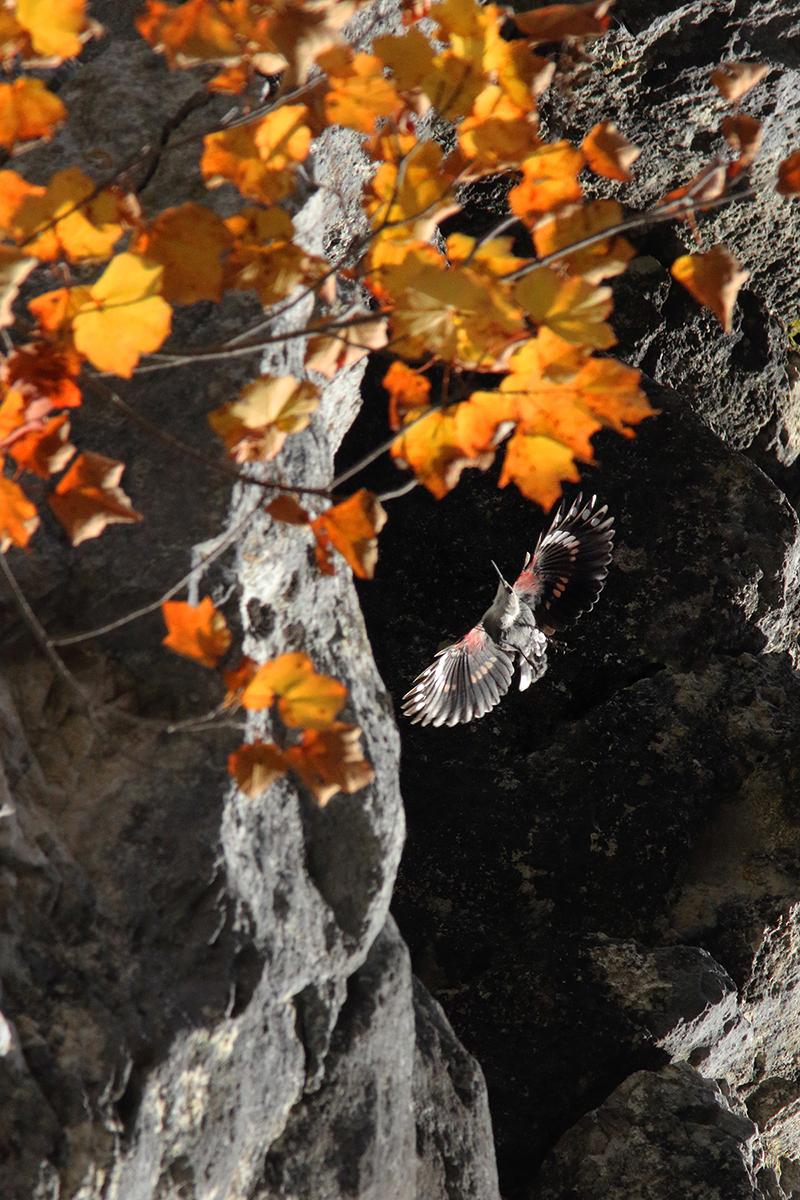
358	93
263	255
15	268
57	28
305	700
117	319
44	452
608	153
330	761
414	193
45	371
260	158
789	175
88	498
409	392
497	135
572	223
549	178
28	111
572	308
287	510
733	79
744	135
64	220
196	631
432	449
352	528
713	278
18	516
237	679
537	465
342	348
188	241
254	766
255	427
559	21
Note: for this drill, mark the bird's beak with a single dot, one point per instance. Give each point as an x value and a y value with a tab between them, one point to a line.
503	581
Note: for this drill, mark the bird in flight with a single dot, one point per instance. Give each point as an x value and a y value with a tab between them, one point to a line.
558	582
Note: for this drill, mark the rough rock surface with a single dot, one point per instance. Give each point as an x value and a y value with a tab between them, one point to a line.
203	995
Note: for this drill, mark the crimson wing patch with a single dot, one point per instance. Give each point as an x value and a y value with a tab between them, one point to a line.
462	683
563	577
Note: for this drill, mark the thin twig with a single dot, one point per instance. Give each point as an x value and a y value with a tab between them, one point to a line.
44	641
227	540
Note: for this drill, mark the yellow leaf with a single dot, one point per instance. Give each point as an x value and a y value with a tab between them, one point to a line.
570	224
305	700
260	158
572	308
432	448
263	255
497	135
74	223
358	92
255	426
54	25
121	316
549	178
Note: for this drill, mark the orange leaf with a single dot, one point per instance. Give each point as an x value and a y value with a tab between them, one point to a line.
537	466
237	679
352	527
255	426
559	21
789	175
608	153
305	699
408	392
196	631
432	448
57	28
45	371
498	134
334	352
264	257
414	194
189	242
571	223
18	517
260	158
256	765
358	92
74	223
286	509
732	80
713	278
549	178
47	452
572	308
88	498
330	761
28	111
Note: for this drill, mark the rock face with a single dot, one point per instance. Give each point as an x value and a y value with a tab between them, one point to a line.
204	995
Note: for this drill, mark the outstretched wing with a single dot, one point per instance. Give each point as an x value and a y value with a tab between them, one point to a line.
462	683
566	572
